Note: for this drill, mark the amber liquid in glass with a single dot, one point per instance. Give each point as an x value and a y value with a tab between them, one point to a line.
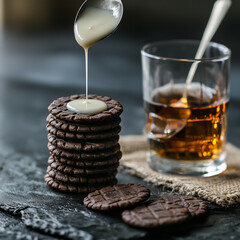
195	133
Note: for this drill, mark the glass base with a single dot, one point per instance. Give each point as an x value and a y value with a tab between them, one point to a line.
206	168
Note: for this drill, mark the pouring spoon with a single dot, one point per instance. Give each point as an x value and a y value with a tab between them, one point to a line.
89	27
95	20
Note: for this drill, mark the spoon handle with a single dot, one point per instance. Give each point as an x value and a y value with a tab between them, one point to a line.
219	11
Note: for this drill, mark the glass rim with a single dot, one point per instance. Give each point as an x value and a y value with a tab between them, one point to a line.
212	44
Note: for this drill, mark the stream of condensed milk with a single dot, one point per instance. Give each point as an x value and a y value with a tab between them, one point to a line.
93	25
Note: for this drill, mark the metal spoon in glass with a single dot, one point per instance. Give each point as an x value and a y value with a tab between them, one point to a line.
219	11
95	20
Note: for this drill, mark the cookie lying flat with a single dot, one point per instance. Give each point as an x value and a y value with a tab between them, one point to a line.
117	197
58	152
82	128
93	180
97	163
84	136
58	108
81	171
165	211
74	188
195	206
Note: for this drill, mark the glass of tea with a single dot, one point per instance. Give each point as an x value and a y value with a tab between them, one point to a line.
186	123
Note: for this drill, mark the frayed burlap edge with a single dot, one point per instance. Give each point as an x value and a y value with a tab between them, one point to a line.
223	189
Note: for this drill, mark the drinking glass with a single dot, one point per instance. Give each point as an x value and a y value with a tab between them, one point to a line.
186	139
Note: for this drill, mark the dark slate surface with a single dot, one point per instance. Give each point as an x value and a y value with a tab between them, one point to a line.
34	71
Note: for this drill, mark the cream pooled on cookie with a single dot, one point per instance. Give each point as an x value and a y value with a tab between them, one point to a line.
90	106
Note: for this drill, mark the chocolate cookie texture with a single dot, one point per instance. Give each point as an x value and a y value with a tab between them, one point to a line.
196	207
78	156
117	197
74	188
84	170
165	211
84	136
58	108
82	128
84	148
67	178
92	163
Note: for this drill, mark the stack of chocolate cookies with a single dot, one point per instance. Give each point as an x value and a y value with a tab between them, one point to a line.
84	149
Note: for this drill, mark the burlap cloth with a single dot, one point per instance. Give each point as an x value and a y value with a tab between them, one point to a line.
223	189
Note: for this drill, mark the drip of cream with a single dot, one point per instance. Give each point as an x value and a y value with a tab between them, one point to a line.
93	25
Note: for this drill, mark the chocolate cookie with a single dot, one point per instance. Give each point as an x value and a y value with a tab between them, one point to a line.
116	197
82	146
167	210
102	163
60	167
195	206
74	188
58	108
93	180
84	136
57	152
82	128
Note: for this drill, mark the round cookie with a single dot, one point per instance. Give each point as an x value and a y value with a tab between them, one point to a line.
116	197
165	211
82	146
73	188
58	108
88	156
195	206
84	136
60	167
98	163
91	180
82	128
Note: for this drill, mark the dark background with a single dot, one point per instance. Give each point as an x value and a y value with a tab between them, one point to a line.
38	49
40	61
